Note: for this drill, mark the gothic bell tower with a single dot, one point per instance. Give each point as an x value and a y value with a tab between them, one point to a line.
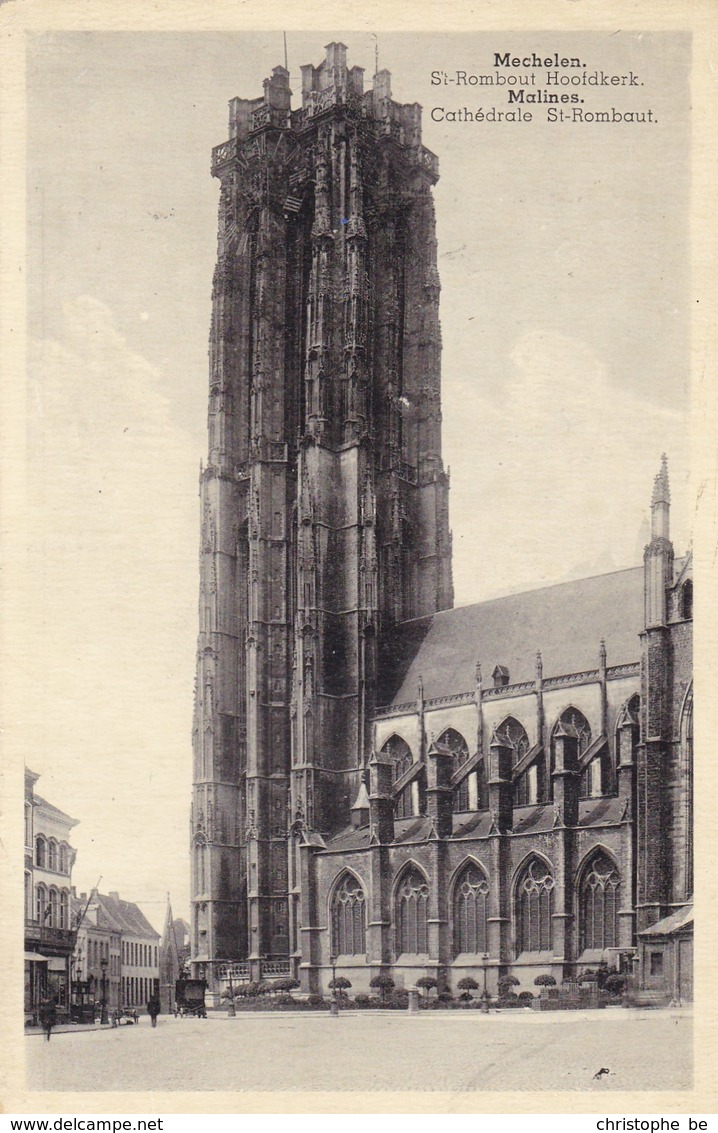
324	501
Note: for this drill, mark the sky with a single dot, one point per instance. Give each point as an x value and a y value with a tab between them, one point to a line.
564	261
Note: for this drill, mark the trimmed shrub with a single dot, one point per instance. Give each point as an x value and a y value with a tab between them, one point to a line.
315	1000
616	984
545	981
507	982
526	995
445	996
362	1000
286	984
340	985
468	983
383	983
426	983
588	977
248	991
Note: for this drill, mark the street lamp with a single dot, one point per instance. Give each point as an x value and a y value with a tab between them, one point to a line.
103	991
231	1010
334	1009
485	999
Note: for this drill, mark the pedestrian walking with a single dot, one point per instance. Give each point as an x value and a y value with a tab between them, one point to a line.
48	1017
153	1010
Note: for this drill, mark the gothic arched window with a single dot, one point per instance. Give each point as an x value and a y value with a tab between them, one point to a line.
599	902
411	908
40	903
62	858
40	852
52	854
53	919
471	895
64	909
512	733
349	918
534	908
401	758
575	726
453	741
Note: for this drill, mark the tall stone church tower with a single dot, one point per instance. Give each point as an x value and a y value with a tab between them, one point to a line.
324	501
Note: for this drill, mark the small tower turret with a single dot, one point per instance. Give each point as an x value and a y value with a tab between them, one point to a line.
658	555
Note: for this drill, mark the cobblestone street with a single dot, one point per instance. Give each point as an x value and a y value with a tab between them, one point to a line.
643	1050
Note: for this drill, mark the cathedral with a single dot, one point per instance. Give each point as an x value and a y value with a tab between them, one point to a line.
384	784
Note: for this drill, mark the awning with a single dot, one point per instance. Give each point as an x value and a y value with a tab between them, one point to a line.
35	957
57	964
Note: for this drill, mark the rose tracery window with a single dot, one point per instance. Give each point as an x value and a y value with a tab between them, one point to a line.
534	908
349	918
471	911
412	902
600	894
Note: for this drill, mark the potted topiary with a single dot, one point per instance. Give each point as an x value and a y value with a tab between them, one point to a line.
505	985
384	983
340	985
426	983
466	986
547	984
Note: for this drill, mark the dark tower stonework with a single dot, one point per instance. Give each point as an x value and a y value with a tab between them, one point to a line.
324	501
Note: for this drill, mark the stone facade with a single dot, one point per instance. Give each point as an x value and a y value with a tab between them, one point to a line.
49	936
380	780
115	937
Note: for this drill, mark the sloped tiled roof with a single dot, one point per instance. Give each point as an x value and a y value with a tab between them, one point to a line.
537	819
120	916
565	622
601	812
682	918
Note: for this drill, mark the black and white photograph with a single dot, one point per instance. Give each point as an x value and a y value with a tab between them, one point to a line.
353	690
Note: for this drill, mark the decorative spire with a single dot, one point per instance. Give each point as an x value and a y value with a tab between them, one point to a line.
661	487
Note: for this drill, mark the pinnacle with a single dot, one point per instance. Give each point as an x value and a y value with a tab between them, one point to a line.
661	487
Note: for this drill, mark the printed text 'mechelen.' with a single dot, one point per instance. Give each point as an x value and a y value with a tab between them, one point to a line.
534	60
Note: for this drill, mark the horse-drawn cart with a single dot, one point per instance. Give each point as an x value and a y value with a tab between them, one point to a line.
189	998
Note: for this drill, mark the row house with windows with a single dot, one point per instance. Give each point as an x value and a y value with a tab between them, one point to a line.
540	822
49	937
115	944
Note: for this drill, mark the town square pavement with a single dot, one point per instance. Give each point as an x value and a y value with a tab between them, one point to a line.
364	1051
